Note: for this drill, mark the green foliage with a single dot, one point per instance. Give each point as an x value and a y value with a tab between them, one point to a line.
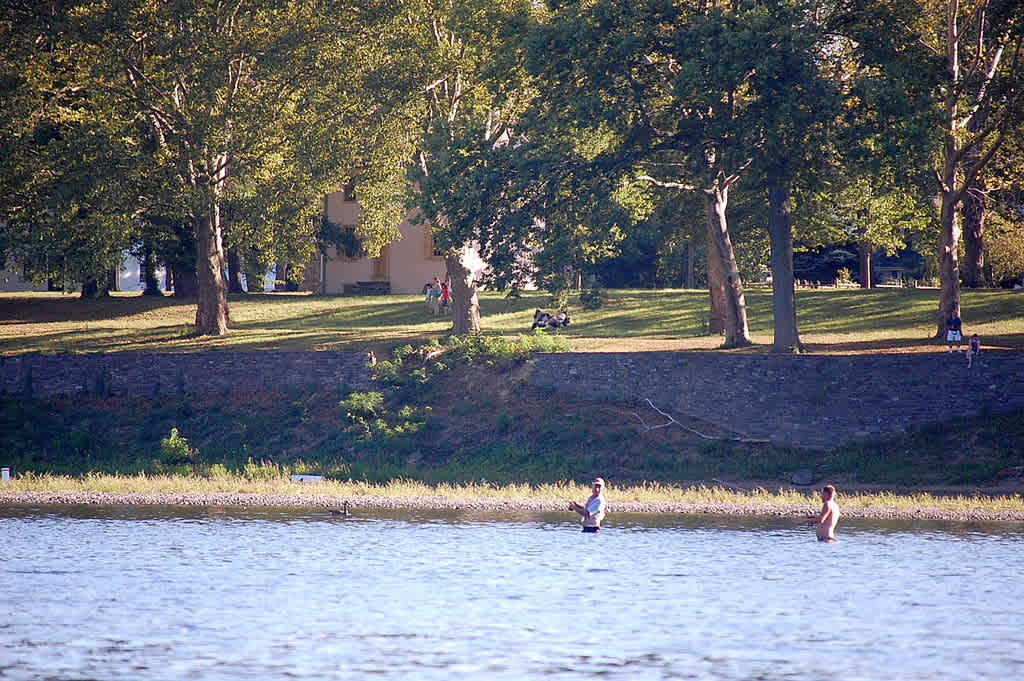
592	299
493	350
481	435
939	454
264	470
363	404
175	450
346	242
1004	247
402	352
415	367
119	116
363	409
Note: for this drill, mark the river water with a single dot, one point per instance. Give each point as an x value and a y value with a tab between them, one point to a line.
175	593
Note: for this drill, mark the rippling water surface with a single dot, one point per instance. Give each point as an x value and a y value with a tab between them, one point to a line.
156	593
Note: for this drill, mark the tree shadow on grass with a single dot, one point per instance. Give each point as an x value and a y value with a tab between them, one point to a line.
1013	342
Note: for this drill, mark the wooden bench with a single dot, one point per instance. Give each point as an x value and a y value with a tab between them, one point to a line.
368	288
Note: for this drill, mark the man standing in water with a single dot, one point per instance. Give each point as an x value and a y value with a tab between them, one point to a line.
592	512
826	521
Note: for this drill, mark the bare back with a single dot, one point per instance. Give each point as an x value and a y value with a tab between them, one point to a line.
827	520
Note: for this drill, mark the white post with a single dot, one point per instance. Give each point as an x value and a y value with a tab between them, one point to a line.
5	475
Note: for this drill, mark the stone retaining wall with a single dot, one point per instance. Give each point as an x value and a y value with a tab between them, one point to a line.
202	373
811	401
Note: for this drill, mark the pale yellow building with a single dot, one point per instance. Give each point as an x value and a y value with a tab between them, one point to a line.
403	266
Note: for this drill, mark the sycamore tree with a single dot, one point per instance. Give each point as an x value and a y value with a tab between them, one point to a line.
967	57
991	179
665	86
513	177
693	98
447	71
226	98
210	82
982	46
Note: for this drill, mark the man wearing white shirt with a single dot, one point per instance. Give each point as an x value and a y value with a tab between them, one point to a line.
592	512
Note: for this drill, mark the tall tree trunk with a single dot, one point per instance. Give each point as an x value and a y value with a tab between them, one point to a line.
290	284
716	280
728	286
280	276
864	252
186	281
465	303
974	235
973	209
949	268
149	268
688	265
255	273
212	307
780	231
94	288
234	272
950	197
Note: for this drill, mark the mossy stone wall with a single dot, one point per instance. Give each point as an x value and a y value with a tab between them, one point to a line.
812	401
201	373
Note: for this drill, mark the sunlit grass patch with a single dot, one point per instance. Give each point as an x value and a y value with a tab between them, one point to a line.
411	490
843	320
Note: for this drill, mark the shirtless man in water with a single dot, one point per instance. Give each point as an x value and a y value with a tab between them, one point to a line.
826	521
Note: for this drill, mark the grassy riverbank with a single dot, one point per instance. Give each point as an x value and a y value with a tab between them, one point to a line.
357	497
458	421
475	414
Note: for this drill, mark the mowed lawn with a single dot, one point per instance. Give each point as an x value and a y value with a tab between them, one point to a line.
830	321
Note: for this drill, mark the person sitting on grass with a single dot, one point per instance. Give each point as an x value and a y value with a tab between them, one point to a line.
543	319
973	349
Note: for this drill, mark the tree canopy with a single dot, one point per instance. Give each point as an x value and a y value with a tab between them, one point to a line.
552	137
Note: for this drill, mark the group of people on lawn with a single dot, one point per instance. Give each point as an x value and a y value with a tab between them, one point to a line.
438	295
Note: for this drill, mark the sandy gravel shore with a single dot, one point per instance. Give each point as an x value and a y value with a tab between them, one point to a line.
369	502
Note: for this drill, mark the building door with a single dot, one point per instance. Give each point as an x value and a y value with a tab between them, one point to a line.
380	268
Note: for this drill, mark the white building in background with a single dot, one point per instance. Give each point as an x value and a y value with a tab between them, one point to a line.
129	277
403	266
12	279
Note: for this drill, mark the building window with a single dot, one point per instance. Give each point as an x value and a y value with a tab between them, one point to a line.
431	251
